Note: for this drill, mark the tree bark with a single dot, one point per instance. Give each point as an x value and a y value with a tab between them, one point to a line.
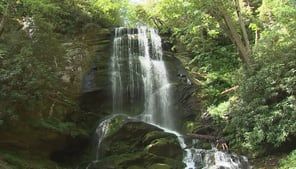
228	26
3	19
243	26
237	40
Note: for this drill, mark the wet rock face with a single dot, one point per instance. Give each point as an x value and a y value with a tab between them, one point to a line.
134	144
96	94
95	97
187	105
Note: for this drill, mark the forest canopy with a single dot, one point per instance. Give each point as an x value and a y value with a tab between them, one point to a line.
247	45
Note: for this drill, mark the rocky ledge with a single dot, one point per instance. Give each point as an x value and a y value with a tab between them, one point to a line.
133	144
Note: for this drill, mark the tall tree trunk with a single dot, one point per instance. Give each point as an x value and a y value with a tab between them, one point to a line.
3	19
237	40
227	24
242	26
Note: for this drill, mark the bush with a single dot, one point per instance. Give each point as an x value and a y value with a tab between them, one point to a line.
289	162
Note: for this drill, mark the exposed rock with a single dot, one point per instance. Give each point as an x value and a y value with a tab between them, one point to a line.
165	147
135	144
160	166
97	96
135	167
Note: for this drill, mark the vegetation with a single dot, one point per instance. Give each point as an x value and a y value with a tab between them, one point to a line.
43	55
242	53
289	162
33	55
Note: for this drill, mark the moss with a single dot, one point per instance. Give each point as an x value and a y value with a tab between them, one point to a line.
149	137
138	159
165	147
160	166
4	165
20	160
115	124
205	145
138	144
135	167
68	128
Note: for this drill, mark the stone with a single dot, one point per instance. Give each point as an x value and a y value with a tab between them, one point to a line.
135	167
160	166
165	147
133	143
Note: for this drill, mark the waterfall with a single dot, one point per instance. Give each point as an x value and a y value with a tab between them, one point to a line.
157	89
141	85
117	87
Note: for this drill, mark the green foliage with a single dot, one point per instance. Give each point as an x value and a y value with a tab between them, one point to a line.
68	128
219	111
289	162
267	98
262	112
20	160
113	9
265	112
33	57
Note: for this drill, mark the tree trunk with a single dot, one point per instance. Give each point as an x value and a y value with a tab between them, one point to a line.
243	27
228	26
237	40
3	20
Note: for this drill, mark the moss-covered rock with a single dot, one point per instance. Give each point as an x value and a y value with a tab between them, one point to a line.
142	160
132	143
135	167
204	145
167	147
160	166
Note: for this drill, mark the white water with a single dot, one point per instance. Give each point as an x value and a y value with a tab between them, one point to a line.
140	51
157	89
117	89
101	132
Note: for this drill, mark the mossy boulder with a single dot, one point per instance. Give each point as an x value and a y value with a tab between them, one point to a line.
133	144
159	166
167	147
135	167
141	160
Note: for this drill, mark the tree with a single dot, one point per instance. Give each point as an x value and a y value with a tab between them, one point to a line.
221	10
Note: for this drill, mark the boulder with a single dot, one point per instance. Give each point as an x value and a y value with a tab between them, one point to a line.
160	166
134	144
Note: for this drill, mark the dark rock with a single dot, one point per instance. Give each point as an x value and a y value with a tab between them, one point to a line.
160	166
97	96
165	147
138	144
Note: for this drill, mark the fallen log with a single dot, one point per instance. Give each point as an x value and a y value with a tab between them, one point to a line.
229	90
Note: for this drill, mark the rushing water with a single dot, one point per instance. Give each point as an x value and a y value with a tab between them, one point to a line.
139	75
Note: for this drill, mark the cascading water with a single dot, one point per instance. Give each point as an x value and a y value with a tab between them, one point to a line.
156	84
139	77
